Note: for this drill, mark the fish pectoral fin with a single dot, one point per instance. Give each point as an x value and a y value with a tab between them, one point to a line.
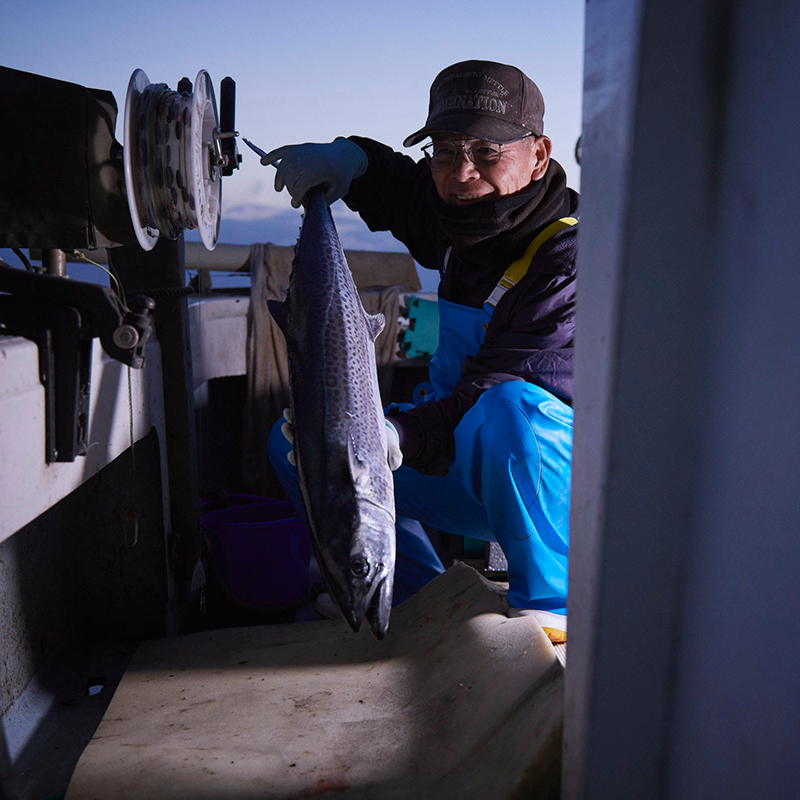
375	324
280	313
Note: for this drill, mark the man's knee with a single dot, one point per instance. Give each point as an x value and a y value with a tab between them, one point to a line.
529	398
516	408
515	431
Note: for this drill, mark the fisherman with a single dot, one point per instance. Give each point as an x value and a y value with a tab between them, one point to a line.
487	454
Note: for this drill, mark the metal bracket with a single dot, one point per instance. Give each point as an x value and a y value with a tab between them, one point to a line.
65	358
62	317
220	158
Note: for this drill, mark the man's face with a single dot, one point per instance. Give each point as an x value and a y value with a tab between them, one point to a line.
464	183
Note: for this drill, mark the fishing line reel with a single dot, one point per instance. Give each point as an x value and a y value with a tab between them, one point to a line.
176	153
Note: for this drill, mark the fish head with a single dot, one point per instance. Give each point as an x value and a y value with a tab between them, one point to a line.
360	578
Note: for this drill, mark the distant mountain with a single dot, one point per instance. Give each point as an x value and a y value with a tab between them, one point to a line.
245	225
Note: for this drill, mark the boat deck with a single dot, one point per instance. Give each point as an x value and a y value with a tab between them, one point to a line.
312	708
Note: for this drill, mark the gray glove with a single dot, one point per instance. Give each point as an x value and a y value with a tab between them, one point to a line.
394	454
303	166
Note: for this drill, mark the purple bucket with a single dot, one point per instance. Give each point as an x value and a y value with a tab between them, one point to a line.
228	499
261	553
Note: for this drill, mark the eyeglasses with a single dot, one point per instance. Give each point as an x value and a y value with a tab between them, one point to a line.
442	153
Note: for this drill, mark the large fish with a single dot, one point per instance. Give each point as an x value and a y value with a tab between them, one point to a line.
339	429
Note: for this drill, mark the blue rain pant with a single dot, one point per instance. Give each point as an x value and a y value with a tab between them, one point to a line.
509	483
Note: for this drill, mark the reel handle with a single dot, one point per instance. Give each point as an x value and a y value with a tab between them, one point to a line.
230	156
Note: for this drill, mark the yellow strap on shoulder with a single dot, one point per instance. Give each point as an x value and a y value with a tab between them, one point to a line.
517	270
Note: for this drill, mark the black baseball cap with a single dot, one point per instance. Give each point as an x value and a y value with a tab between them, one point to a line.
483	100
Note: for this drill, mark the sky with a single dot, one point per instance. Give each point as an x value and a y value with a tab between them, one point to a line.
305	70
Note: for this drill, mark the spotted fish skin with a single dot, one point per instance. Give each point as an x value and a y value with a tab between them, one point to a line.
339	430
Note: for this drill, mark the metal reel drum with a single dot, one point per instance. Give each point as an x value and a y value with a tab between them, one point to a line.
172	174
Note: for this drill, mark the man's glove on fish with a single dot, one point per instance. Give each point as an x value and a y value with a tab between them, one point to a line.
394	454
303	166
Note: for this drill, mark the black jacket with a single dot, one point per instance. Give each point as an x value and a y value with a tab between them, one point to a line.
531	332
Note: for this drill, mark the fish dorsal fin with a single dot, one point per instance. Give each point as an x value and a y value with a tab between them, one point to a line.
375	324
359	469
280	313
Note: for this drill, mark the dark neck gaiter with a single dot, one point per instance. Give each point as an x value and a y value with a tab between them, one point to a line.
494	233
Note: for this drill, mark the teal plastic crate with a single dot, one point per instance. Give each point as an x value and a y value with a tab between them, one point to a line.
422	335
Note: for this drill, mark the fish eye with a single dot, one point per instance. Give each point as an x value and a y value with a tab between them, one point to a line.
359	566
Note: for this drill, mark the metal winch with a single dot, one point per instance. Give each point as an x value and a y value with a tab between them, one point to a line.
71	194
175	155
